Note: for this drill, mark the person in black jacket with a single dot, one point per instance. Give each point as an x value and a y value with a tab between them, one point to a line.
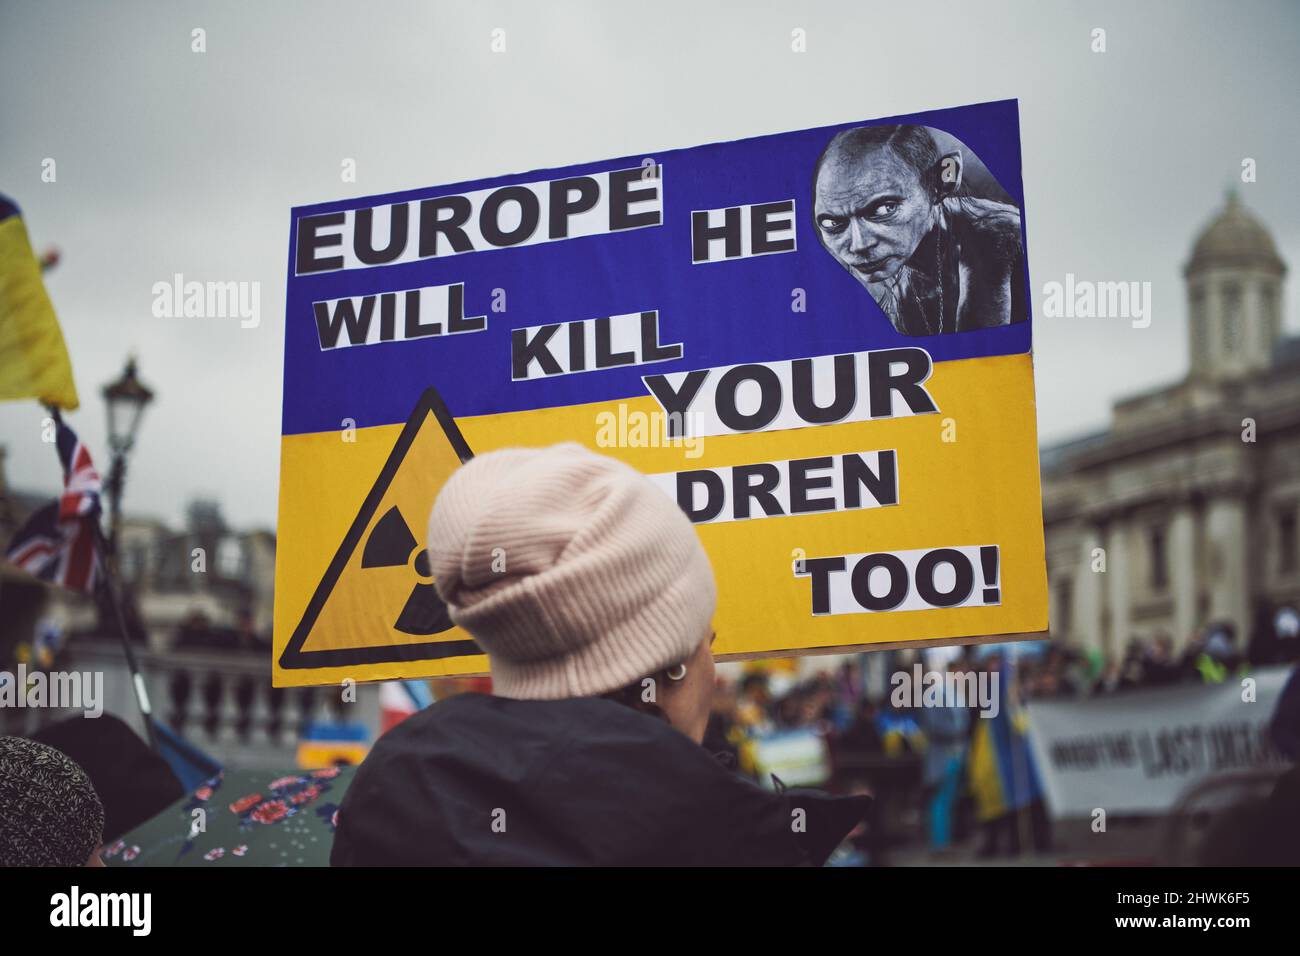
593	598
50	814
134	783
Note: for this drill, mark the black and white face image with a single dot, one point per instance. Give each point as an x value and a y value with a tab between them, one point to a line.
937	256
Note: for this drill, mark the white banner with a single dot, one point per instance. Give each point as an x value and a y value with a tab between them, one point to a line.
799	758
1137	751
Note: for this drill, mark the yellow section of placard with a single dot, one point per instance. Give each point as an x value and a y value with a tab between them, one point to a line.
967	476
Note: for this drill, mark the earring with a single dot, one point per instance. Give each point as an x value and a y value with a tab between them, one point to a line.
676	672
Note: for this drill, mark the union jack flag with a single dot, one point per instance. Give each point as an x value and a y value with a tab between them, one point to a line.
57	543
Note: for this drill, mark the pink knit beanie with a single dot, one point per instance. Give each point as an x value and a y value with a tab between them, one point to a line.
574	572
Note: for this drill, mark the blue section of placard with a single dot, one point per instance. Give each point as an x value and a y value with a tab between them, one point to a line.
722	313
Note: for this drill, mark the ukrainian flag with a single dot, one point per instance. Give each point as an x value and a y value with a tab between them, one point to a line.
33	359
1003	776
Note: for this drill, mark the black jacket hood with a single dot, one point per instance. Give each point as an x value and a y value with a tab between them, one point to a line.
482	780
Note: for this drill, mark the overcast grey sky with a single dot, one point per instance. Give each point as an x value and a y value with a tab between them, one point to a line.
170	161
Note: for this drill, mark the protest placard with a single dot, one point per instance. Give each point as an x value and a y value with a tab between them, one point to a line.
818	343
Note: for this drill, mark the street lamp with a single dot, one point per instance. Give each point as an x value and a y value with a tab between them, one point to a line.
126	399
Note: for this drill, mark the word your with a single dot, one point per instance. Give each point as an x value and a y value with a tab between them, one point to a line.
57	689
103	909
208	300
793	393
1098	300
404	315
903	580
520	215
921	688
635	429
770	489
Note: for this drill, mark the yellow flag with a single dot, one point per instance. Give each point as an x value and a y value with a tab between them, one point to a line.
33	359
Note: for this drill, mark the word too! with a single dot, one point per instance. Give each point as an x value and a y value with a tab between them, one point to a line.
904	580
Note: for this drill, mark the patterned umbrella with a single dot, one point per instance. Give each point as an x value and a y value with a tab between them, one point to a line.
242	818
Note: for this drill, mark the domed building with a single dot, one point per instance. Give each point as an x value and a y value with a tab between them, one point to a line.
1183	514
1234	293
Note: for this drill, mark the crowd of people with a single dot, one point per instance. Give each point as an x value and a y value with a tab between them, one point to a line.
924	764
1211	656
913	760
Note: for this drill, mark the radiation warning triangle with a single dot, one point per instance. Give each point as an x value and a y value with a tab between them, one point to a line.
377	602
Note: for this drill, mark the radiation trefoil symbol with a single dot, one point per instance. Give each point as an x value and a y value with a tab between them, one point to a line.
392	545
377	598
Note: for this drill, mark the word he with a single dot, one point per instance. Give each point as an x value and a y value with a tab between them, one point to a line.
500	218
921	688
793	393
179	299
903	580
588	345
103	909
1098	300
742	232
636	429
57	689
403	315
866	479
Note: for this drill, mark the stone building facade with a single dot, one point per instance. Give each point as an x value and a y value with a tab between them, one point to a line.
1190	497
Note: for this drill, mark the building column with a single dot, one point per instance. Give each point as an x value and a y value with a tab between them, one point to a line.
1225	536
1089	600
1181	554
1118	586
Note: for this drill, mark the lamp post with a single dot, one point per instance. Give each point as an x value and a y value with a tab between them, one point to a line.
126	399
